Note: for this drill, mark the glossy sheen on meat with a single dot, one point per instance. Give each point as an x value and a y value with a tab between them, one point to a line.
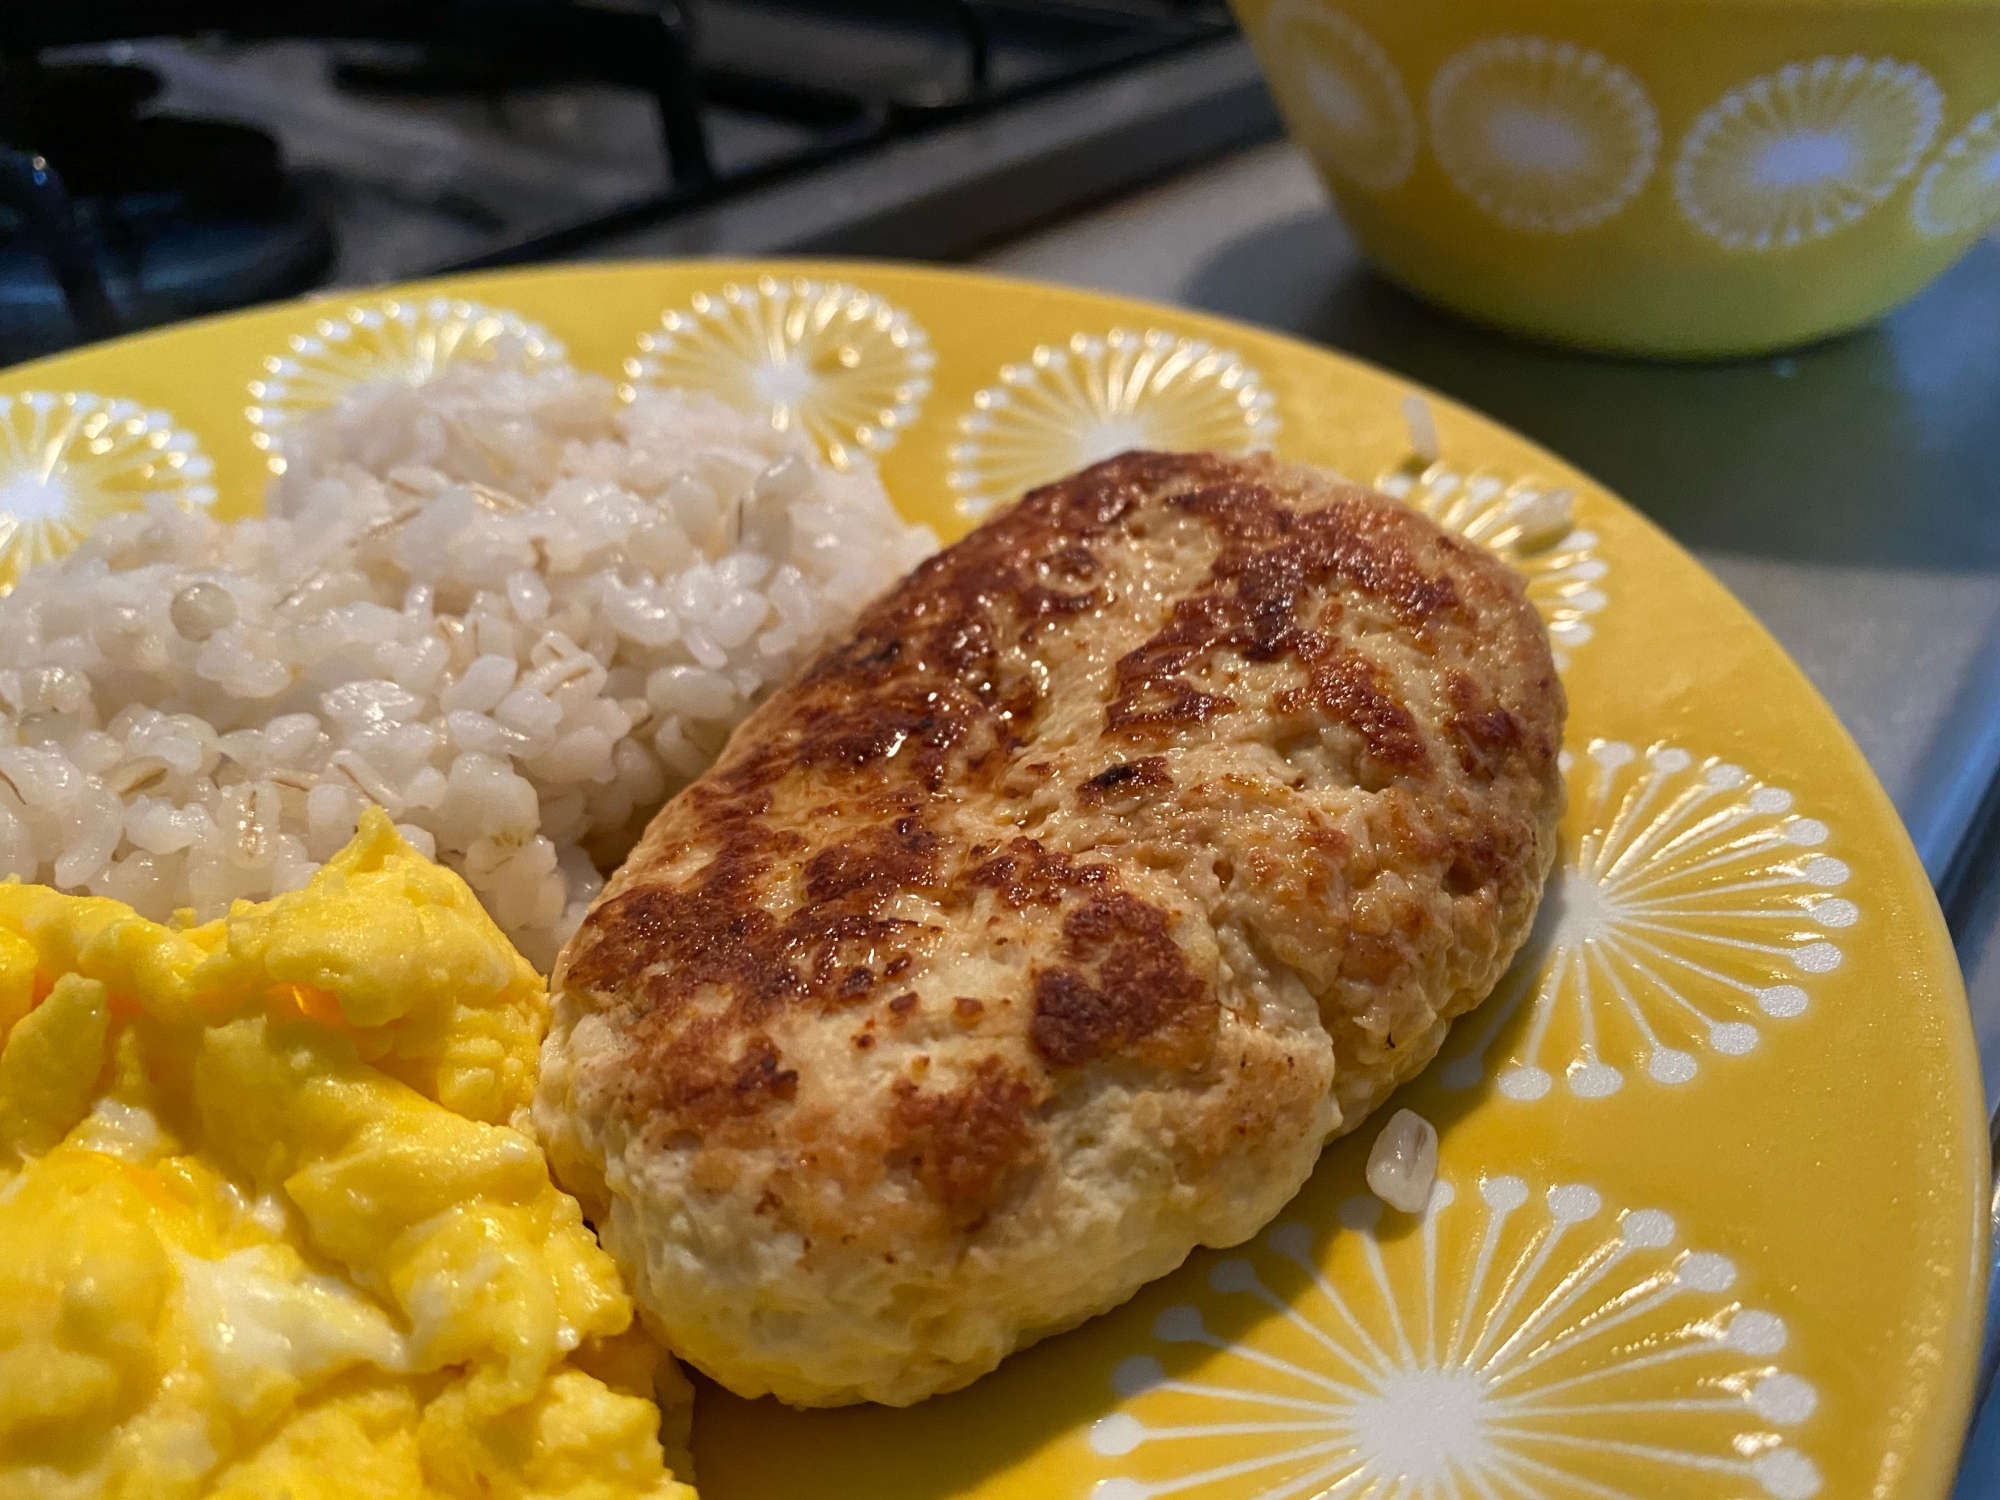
1047	928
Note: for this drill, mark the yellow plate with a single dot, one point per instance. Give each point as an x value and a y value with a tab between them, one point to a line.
1708	1222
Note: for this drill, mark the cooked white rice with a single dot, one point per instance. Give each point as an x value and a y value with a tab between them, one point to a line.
511	611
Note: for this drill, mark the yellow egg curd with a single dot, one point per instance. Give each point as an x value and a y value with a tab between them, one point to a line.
270	1221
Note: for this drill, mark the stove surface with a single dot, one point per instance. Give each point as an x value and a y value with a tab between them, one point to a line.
404	158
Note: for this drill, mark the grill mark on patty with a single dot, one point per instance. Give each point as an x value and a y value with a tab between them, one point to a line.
717	935
1485	735
1075	562
1352	538
1274	564
708	1078
1348	688
938	668
1131	991
1124	778
965	1143
1027	874
673	951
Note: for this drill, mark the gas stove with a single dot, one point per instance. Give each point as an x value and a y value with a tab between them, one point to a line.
247	154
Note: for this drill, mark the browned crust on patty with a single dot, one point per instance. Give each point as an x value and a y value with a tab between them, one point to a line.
1171	718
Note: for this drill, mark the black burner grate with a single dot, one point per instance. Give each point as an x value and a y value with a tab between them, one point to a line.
742	95
846	76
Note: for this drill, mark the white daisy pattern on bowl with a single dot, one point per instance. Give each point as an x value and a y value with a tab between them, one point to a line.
1526	524
1797	154
1690	908
820	357
1096	395
1523	1341
1960	189
70	459
1342	93
1543	135
393	339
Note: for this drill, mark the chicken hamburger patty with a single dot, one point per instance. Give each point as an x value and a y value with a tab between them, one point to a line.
1045	930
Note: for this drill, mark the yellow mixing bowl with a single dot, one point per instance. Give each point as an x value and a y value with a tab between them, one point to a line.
1674	177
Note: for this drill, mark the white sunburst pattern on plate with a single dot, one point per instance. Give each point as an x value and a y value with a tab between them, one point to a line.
1794	155
831	360
391	339
1542	135
1690	907
1343	94
70	459
1960	190
1526	525
1523	1341
1096	395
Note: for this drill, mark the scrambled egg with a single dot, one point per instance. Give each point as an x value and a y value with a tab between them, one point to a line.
270	1225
